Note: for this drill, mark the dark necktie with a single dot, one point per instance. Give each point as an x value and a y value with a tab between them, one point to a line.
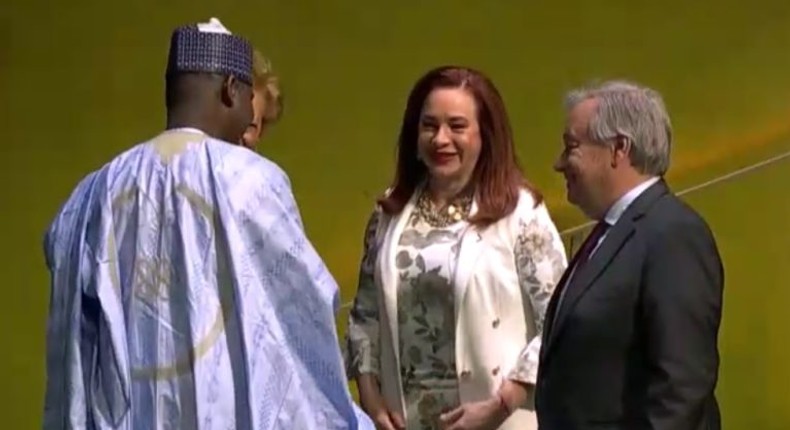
590	243
581	258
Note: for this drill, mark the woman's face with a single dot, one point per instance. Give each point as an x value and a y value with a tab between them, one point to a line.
448	141
254	131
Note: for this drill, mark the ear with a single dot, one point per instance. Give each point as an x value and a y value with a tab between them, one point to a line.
229	92
621	150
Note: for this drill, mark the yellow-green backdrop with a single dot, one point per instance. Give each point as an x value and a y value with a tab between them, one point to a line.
81	81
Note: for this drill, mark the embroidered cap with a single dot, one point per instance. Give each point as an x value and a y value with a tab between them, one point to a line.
210	48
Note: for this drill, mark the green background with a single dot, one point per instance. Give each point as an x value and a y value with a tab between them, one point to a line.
81	81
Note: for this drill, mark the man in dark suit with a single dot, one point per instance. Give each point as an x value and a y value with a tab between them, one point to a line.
630	337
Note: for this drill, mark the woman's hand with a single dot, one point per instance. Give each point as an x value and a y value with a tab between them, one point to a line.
373	403
483	415
387	420
490	413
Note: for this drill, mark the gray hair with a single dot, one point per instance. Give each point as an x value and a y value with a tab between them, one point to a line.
632	111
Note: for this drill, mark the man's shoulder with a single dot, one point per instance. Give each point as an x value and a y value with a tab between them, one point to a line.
70	215
670	215
234	161
670	209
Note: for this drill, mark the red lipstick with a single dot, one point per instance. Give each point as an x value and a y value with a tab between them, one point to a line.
442	158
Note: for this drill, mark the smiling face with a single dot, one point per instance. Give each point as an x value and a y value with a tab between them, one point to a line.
585	164
448	140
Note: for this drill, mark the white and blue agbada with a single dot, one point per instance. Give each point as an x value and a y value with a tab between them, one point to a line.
185	295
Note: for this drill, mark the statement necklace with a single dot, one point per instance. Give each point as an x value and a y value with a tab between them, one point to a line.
456	209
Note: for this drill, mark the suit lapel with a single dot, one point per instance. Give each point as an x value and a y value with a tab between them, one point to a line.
583	279
548	325
471	241
389	271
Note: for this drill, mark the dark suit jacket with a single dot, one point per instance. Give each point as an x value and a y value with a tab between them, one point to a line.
634	345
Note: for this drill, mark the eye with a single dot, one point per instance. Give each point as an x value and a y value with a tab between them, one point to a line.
569	142
427	125
458	127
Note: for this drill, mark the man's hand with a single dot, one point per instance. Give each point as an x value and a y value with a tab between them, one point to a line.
483	415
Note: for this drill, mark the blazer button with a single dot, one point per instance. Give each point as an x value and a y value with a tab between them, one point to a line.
495	371
495	323
466	374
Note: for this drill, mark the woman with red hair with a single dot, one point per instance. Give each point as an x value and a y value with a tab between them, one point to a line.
460	261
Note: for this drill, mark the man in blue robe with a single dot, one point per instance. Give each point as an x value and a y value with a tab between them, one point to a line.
184	293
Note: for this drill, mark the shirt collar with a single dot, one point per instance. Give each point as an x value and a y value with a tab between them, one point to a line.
618	208
186	130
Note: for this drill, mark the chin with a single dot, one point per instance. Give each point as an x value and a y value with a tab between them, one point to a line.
443	172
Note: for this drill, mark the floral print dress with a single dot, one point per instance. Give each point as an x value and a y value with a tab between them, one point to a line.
426	258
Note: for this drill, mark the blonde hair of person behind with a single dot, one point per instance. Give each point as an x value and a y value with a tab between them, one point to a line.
267	82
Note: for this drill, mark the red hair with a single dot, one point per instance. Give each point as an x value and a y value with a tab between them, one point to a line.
497	177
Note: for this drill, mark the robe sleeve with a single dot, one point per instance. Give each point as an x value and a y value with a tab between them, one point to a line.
66	400
302	292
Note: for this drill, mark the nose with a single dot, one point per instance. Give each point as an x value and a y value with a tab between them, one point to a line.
442	136
560	164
